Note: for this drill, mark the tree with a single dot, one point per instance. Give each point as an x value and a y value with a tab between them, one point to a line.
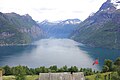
53	68
43	69
117	62
81	69
109	64
73	69
118	70
65	69
105	68
26	70
114	67
115	76
117	66
61	69
7	70
98	76
32	71
19	72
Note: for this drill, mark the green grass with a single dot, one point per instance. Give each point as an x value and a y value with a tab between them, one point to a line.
8	77
28	77
33	77
92	77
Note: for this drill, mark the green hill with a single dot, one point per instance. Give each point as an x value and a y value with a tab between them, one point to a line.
17	29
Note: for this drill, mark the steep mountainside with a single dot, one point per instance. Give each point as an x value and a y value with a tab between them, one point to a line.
102	29
59	29
17	29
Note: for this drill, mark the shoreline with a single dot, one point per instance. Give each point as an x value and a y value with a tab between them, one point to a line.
13	45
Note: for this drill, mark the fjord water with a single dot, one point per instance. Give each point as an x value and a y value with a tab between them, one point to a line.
60	52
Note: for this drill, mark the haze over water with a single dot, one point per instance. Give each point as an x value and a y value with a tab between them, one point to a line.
60	52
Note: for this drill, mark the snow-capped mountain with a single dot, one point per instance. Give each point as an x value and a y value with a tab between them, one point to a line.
59	29
71	21
110	5
102	29
116	3
68	21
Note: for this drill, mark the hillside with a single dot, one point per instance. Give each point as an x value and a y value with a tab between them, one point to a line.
17	29
101	29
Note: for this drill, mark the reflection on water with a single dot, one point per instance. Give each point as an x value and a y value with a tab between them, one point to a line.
47	52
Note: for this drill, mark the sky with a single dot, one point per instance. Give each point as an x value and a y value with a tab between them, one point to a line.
52	10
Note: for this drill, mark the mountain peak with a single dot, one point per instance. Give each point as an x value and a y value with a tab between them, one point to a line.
71	21
63	22
116	3
110	5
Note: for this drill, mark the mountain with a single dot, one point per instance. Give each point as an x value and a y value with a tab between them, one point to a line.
101	29
17	29
59	29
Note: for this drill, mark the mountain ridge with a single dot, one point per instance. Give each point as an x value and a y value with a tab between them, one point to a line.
59	29
101	29
18	29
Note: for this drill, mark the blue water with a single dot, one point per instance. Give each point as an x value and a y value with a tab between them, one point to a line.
60	52
102	53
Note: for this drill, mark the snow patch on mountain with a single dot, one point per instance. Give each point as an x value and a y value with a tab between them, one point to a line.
116	3
64	22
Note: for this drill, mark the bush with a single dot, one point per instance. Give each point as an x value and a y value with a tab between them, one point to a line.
98	76
105	68
115	76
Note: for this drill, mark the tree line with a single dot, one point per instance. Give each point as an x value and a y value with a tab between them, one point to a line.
114	67
7	70
20	71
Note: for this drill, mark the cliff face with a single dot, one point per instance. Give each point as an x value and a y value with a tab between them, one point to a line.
17	29
102	28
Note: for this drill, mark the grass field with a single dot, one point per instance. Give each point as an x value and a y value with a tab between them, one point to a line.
28	77
101	76
33	77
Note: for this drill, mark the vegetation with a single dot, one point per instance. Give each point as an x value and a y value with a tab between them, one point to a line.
101	29
24	70
98	76
28	77
111	70
17	29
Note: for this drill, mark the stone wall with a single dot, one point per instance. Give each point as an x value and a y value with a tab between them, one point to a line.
61	76
0	74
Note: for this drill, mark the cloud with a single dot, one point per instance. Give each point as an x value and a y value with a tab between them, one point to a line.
47	9
77	11
52	9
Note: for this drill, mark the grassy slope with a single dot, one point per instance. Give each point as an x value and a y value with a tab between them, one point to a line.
102	37
92	77
28	77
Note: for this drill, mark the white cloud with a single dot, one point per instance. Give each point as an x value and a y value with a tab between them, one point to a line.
52	9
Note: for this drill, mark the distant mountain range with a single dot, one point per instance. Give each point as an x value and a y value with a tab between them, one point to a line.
101	29
22	29
59	29
17	29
